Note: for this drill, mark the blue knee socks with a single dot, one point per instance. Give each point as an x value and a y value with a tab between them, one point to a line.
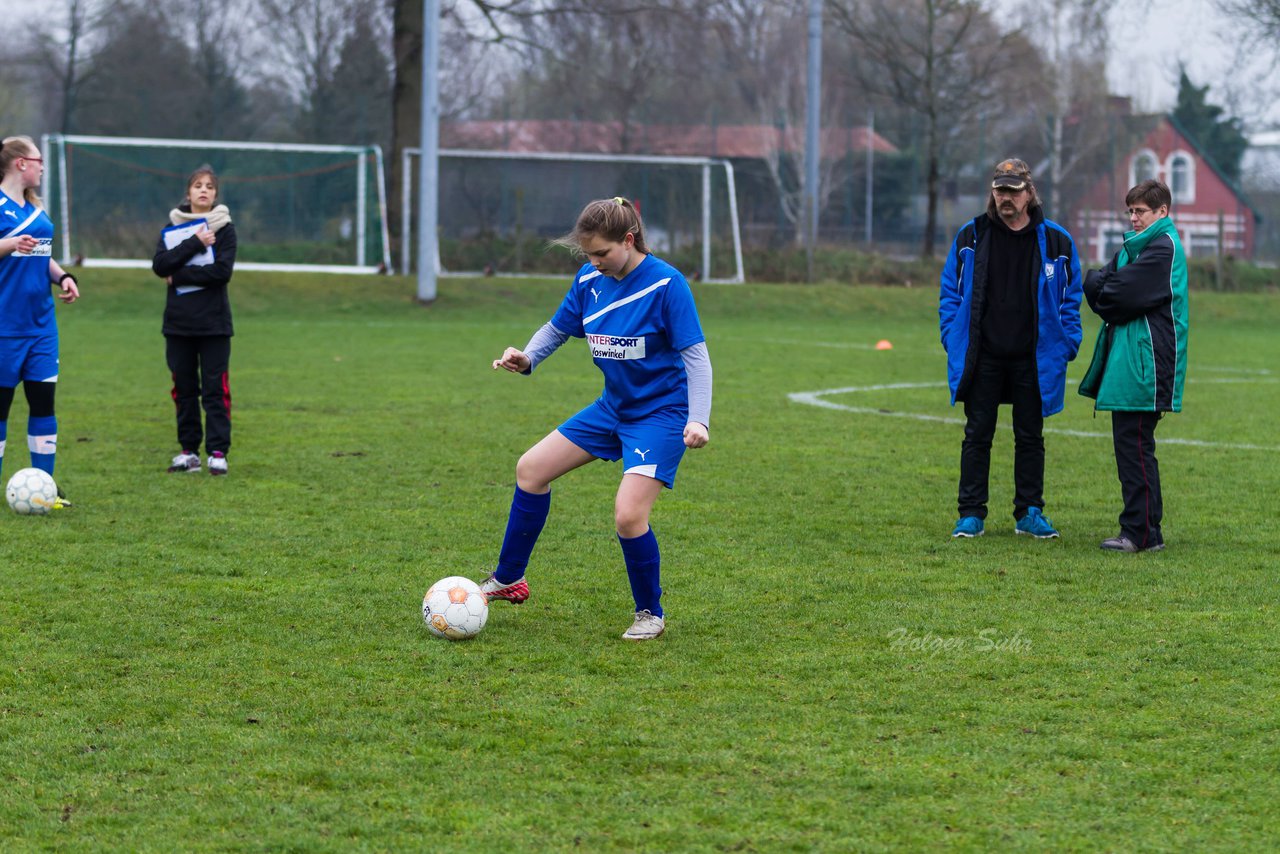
643	561
528	515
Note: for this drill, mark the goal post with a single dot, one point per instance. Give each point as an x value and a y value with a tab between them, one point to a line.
498	209
296	207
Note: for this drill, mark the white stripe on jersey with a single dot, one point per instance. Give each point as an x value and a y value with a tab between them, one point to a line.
26	222
589	276
620	303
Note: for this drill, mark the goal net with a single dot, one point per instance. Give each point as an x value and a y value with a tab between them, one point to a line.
318	208
499	209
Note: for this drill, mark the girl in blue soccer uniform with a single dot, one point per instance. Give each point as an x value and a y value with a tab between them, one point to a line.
638	317
28	329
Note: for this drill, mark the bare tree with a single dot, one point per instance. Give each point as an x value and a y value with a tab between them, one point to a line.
466	68
1252	87
220	47
1073	40
123	96
756	58
944	60
645	76
303	39
66	45
1265	14
756	54
516	25
14	104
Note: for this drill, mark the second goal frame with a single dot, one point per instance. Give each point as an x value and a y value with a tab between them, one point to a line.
705	164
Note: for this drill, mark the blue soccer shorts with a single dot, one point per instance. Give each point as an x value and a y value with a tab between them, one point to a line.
33	358
651	446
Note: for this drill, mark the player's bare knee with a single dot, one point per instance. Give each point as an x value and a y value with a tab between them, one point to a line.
529	475
629	522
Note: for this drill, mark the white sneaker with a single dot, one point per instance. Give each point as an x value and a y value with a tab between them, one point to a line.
646	627
185	462
217	464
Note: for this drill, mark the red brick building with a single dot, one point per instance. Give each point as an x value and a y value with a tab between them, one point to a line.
1207	206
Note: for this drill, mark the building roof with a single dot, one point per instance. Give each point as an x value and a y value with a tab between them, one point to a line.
1232	185
729	141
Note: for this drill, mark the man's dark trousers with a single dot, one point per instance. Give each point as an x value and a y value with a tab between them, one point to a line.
996	378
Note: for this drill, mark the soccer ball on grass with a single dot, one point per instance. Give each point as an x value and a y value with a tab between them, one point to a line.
31	492
454	608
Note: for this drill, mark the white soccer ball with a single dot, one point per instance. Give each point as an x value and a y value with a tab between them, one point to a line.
454	608
31	492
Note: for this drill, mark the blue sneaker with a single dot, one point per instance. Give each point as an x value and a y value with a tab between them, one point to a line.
968	526
1036	524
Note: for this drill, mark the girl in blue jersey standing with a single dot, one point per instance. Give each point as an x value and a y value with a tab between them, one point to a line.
28	329
197	321
641	325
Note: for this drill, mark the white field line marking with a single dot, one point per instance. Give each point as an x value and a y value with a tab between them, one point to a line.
833	345
815	398
850	345
1262	372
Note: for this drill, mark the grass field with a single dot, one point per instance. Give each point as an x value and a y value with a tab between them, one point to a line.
192	663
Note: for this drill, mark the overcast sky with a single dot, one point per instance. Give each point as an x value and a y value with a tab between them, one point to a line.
1149	39
1147	45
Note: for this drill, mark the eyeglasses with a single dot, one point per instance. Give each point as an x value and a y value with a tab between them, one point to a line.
33	159
1138	211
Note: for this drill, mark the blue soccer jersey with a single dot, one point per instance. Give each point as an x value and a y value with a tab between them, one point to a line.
635	328
26	302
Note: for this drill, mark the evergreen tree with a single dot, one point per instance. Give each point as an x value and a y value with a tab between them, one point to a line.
1221	138
143	81
353	106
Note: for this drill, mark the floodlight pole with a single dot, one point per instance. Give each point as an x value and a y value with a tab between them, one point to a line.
869	141
429	162
813	128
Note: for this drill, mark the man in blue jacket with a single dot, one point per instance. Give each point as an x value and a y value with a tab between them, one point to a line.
1009	311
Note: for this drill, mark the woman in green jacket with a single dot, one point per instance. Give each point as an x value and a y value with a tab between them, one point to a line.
1140	360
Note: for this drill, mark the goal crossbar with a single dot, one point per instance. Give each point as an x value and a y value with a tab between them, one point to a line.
59	143
706	164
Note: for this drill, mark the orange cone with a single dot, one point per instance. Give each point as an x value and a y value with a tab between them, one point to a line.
883	344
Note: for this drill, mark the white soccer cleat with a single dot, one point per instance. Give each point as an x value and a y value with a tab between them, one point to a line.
185	462
495	591
217	464
646	627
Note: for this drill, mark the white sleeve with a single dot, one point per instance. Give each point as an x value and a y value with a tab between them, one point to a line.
543	343
697	367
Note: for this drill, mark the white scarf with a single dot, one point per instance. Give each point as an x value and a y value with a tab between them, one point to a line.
217	218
